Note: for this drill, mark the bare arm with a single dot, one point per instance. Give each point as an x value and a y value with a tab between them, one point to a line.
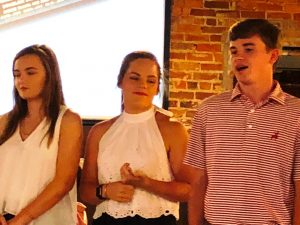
198	180
296	220
68	154
175	137
89	180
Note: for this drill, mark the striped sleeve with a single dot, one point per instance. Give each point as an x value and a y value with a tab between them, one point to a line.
195	155
297	154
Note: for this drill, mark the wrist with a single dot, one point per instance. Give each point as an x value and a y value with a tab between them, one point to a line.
24	217
101	192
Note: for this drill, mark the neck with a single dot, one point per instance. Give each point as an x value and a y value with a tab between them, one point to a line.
257	92
35	109
135	109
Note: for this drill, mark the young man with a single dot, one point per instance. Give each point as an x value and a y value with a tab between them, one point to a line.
243	157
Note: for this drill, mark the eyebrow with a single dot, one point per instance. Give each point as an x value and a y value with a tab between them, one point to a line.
30	68
135	73
247	44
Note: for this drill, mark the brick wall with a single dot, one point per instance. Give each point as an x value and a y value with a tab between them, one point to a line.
199	50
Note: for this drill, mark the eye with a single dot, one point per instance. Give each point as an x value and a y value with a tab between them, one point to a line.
151	81
31	72
233	52
134	78
16	73
248	49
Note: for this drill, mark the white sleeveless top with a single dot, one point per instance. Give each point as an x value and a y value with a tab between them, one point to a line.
26	167
136	139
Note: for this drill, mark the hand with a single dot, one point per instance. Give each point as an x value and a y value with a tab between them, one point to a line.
136	178
120	192
2	220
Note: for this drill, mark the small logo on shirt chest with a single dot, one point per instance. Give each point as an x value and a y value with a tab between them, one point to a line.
275	135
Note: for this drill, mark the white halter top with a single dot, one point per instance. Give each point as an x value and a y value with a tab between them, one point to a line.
136	139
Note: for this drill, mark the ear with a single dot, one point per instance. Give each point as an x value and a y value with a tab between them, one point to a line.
274	55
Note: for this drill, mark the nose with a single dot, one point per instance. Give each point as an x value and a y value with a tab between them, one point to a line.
236	58
20	79
143	83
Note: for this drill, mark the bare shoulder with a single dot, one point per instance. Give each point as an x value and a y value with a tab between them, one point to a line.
71	117
168	124
99	129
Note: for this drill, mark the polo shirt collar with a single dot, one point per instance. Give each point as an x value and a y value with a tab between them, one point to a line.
277	94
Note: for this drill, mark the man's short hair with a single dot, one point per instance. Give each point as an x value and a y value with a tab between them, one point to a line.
268	32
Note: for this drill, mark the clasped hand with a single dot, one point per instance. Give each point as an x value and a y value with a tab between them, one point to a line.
122	191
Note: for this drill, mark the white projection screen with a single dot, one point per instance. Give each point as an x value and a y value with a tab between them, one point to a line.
90	41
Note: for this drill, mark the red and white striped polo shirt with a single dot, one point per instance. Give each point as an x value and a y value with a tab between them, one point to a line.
251	154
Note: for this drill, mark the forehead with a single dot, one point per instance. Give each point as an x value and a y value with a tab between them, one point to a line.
244	42
28	61
143	65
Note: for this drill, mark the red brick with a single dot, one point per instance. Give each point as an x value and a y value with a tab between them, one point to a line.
297	16
183	46
176	11
194	3
199	21
182	75
211	67
191	37
203	95
186	66
177	37
278	15
200	56
187	28
180	84
186	20
252	14
268	7
191	113
192	85
209	47
182	95
205	86
177	55
202	12
217	30
215	38
173	103
292	8
178	2
205	76
188	104
228	14
216	4
219	57
211	22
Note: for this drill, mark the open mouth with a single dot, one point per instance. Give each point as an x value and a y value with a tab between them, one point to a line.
241	68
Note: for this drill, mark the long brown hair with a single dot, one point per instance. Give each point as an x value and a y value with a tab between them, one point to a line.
52	94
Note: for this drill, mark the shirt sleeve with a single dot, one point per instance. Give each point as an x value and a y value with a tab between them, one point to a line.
296	172
195	154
